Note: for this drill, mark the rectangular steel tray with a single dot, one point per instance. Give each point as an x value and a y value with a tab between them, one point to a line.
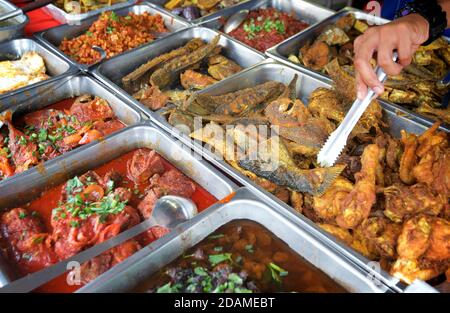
282	51
244	205
71	18
269	70
56	66
17	27
112	71
67	87
54	36
208	17
305	11
56	171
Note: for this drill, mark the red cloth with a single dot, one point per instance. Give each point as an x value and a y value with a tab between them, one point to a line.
39	20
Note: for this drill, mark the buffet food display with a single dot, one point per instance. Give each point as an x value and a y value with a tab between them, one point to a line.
45	134
265	28
417	88
85	154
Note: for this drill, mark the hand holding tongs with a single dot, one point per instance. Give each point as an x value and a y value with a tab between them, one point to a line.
338	139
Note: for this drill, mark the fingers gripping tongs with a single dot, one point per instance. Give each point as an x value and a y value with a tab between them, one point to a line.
337	140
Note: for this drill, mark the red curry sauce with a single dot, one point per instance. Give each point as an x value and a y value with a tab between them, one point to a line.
265	28
50	199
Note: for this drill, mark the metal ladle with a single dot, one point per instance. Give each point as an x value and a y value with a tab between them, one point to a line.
235	20
169	211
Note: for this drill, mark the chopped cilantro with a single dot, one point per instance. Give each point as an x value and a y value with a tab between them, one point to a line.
74	223
22	215
249	248
215	259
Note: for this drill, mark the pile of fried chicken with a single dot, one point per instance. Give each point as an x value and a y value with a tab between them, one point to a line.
387	197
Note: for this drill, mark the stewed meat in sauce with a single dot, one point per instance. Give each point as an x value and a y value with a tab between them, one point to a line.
92	208
242	257
45	134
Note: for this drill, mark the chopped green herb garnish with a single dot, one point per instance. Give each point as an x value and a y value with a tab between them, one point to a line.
74	223
215	259
218	249
249	248
22	215
114	16
22	140
276	272
38	240
216	236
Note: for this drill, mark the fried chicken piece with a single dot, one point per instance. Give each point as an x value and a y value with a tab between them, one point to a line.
409	158
423	248
329	205
405	201
338	232
356	206
380	236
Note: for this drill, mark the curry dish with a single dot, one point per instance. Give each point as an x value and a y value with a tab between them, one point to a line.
45	134
417	87
84	6
91	208
265	28
385	197
242	257
194	9
114	34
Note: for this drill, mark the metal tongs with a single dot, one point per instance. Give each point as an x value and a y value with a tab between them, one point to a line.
338	139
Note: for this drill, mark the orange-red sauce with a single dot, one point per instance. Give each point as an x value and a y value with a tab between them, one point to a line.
49	199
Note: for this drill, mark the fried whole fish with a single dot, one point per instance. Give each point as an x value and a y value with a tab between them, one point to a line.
139	77
237	103
275	164
171	70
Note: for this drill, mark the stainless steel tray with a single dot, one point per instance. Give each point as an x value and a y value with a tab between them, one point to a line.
244	205
71	18
269	70
112	71
305	11
56	171
282	51
68	87
53	37
56	66
17	27
200	20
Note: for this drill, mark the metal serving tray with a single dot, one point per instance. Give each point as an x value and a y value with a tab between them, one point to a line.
56	66
112	71
54	36
305	11
64	88
244	205
58	170
71	18
269	70
292	45
16	29
202	19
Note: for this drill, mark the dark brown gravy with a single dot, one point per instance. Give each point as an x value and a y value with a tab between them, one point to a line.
255	248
